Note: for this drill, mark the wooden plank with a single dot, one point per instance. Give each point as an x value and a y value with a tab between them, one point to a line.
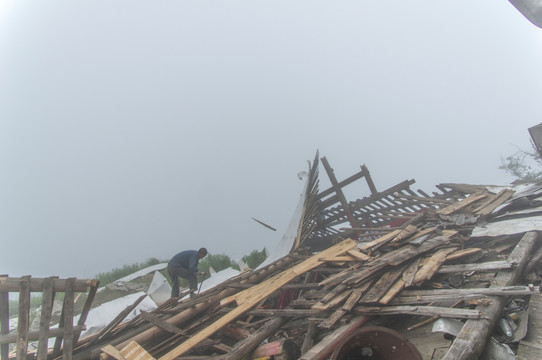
341	259
353	299
248	298
460	253
381	287
358	254
473	336
431	319
67	348
333	302
493	290
284	312
430	267
410	273
35	335
332	293
380	241
46	304
420	311
394	258
329	322
23	320
134	351
113	352
489	266
462	204
494	202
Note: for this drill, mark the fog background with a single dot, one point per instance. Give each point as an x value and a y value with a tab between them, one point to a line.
136	129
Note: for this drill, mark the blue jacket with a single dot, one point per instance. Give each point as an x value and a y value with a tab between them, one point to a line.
187	259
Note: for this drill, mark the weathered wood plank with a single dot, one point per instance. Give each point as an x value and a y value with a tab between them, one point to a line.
462	204
134	351
382	285
489	266
420	311
494	202
329	322
353	299
430	267
493	290
460	253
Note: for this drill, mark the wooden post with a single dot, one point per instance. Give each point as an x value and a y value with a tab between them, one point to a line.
23	323
46	304
86	309
67	348
473	336
4	322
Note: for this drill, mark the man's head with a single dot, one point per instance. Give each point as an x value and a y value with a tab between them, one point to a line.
202	252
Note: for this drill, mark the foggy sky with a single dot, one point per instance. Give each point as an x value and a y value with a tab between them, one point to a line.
133	129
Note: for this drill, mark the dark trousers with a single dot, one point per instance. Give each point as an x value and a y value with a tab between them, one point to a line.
174	273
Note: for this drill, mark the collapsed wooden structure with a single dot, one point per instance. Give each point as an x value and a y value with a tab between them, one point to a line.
385	266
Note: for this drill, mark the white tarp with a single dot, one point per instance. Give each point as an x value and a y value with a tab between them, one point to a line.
102	315
159	290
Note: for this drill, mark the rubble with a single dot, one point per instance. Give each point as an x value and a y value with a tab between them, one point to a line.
398	264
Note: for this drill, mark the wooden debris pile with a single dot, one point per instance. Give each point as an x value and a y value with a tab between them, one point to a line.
389	264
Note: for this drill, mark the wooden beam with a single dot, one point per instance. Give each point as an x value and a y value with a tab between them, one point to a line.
420	311
36	284
35	335
346	207
489	266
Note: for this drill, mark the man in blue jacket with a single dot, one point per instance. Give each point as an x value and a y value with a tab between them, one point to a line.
185	265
